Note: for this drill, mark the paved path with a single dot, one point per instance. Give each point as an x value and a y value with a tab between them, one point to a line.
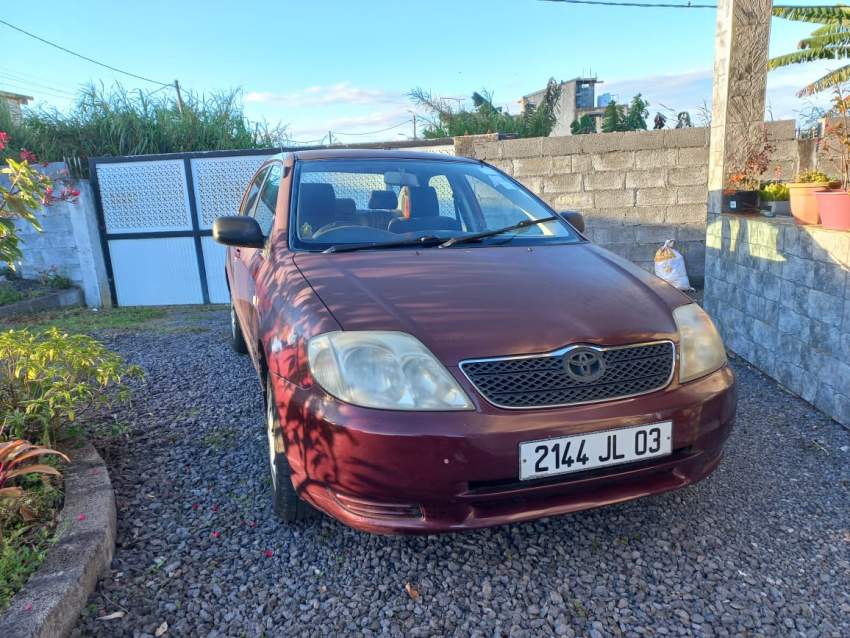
761	548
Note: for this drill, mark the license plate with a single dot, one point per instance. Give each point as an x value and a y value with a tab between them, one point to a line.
582	452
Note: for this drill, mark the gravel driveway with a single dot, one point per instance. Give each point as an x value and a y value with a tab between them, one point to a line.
761	548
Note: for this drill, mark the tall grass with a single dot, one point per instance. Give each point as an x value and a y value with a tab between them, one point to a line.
117	121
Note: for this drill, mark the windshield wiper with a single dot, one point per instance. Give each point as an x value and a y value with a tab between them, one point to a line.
425	241
525	223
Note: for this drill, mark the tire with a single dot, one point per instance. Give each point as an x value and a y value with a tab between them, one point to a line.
288	506
237	340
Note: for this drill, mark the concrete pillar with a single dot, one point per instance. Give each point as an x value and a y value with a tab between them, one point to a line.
740	80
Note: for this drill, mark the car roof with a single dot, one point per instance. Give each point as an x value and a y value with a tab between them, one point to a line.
375	153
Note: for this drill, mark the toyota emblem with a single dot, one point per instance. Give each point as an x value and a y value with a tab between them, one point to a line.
584	365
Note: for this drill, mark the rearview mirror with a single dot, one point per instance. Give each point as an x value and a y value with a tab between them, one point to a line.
574	218
238	231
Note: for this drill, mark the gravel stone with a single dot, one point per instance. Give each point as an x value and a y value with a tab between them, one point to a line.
760	548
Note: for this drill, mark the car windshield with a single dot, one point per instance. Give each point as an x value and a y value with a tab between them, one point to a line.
347	203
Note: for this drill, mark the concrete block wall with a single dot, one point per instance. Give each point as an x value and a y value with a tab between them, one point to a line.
70	243
635	189
780	295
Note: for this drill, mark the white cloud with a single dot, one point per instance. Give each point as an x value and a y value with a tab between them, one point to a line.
340	93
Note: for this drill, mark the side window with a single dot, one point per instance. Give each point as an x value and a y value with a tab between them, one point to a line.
264	212
251	197
498	211
445	195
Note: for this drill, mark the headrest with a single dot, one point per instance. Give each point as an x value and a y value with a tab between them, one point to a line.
383	200
316	204
345	208
423	202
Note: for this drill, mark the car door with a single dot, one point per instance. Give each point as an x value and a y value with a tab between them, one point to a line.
240	279
254	258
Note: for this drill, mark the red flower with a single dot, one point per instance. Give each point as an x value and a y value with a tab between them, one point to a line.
4	139
268	553
216	534
81	517
28	156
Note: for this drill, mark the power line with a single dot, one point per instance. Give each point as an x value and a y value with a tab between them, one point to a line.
642	5
81	56
383	130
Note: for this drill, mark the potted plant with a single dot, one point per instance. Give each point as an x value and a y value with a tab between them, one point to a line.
834	205
745	180
801	192
775	196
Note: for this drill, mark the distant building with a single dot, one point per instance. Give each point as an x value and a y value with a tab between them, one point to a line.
14	102
577	99
603	100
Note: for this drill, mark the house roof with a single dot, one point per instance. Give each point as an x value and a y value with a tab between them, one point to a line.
16	97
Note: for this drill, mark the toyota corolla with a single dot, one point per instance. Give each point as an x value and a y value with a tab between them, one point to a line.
440	350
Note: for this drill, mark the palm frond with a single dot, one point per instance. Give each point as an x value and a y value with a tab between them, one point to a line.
828	29
808	55
828	81
823	41
826	14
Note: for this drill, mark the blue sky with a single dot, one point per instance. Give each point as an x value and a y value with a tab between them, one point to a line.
347	66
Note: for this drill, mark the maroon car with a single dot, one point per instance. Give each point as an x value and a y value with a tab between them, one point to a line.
440	350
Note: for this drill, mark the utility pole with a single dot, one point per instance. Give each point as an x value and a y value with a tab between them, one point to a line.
330	138
414	126
179	97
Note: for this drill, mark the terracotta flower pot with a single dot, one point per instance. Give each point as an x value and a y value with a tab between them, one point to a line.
834	208
741	201
804	206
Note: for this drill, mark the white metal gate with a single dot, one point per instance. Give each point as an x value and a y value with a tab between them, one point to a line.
156	214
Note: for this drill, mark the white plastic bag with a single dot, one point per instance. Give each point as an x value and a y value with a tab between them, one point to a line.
670	266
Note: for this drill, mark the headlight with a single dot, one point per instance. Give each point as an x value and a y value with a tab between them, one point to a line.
701	349
390	370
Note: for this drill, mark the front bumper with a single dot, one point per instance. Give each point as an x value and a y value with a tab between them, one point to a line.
459	470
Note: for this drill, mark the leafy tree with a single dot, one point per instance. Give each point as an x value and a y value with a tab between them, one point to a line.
636	117
828	42
583	125
485	117
612	118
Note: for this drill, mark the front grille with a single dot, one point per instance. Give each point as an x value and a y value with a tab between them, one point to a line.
542	381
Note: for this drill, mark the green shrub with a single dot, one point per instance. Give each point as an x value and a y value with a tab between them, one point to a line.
118	121
775	192
8	294
54	279
50	379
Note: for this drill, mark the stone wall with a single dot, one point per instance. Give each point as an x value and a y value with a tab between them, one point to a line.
70	243
780	295
635	189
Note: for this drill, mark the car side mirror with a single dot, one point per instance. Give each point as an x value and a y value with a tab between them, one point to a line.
238	231
574	218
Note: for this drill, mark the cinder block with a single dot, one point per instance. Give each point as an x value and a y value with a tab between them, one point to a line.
830	278
614	199
824	307
795	324
796	242
566	145
695	156
830	246
646	179
825	338
562	165
645	215
655	235
656	158
687	214
689	176
692	195
565	183
656	196
604	180
527	147
506	166
570	201
686	137
690	232
487	150
616	161
533	166
582	163
533	183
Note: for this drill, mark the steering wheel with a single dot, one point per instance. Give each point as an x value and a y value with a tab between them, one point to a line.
353	234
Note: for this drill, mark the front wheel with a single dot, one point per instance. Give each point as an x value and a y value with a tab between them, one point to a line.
237	339
287	504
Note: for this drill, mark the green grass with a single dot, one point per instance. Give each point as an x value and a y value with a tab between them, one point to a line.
9	295
77	320
24	544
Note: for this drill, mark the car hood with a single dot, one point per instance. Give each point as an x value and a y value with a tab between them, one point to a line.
494	301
